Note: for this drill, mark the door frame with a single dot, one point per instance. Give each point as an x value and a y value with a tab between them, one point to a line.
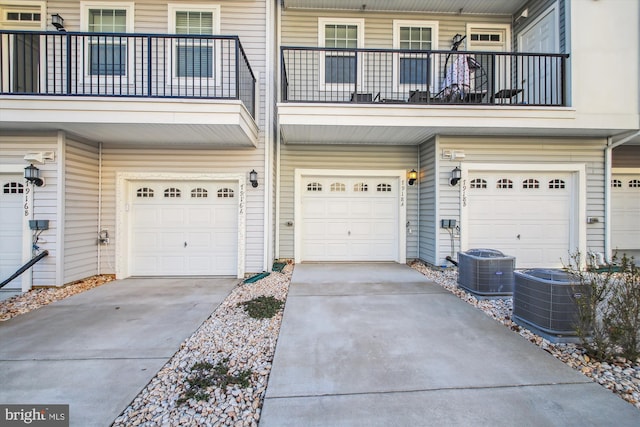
578	233
402	199
124	184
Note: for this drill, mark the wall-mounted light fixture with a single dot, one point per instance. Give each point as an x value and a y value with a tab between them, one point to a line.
32	174
412	176
253	178
456	174
58	22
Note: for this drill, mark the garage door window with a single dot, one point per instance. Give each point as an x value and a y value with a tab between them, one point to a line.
504	184
13	188
530	183
360	187
314	186
478	183
197	193
225	193
616	183
144	192
172	192
556	184
338	187
634	183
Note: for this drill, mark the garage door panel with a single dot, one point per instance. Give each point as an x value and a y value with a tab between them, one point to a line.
529	221
355	220
196	234
625	212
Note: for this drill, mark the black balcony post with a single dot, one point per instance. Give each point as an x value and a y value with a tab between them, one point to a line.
355	79
149	67
68	38
237	69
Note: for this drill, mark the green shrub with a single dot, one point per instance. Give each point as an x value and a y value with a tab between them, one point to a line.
608	323
204	375
262	307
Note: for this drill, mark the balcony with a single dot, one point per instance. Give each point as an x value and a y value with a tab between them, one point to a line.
430	91
190	89
422	77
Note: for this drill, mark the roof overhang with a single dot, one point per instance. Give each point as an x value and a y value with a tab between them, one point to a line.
135	122
412	125
437	6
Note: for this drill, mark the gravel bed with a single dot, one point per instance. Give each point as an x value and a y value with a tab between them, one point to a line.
36	298
231	337
621	376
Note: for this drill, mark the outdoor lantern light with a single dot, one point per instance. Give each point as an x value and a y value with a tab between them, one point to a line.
32	174
456	174
413	176
58	22
253	178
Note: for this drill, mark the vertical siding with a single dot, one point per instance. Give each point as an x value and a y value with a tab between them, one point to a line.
343	157
300	28
428	198
626	156
116	160
589	152
81	210
45	206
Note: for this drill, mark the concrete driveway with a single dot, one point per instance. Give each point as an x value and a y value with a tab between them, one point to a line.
378	345
97	350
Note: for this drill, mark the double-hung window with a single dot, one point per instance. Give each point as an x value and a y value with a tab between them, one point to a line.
194	57
108	54
340	67
413	65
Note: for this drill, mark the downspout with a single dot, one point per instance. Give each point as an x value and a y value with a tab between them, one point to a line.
99	206
277	141
268	124
608	151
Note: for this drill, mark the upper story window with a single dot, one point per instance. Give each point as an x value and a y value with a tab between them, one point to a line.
107	54
340	67
414	68
194	57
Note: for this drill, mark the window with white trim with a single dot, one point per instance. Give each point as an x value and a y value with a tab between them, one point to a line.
414	68
107	55
340	67
194	57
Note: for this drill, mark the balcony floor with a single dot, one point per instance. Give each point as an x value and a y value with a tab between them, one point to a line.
140	122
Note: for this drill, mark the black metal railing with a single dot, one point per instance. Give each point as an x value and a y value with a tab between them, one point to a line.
426	77
125	65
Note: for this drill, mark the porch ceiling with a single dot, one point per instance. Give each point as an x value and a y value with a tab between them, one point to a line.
139	122
438	6
410	125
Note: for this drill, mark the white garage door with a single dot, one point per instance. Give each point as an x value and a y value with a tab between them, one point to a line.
11	213
350	219
184	228
526	215
625	211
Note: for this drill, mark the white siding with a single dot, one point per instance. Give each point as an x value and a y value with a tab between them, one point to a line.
81	210
428	197
517	150
186	161
343	157
300	28
12	152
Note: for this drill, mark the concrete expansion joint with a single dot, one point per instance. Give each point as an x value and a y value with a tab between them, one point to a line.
423	390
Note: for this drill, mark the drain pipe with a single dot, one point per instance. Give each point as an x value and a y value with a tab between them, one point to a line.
25	267
608	151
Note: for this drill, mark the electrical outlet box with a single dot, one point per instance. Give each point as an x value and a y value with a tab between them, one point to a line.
448	223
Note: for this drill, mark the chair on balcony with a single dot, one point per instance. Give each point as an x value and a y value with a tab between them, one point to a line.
465	81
